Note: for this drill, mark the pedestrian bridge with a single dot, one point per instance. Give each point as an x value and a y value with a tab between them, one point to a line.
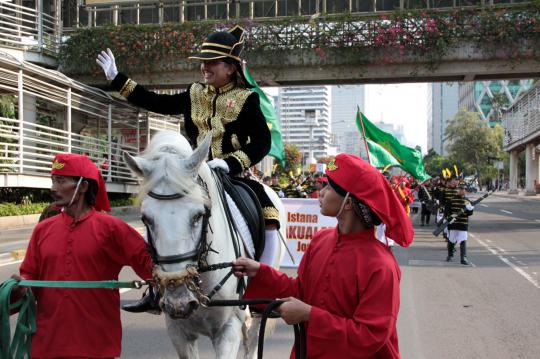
313	42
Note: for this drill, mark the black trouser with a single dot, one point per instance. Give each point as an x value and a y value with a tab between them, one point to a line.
425	214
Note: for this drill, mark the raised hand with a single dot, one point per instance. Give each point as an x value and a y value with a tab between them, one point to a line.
107	63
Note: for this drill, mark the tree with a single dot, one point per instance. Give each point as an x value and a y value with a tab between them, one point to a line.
471	142
435	163
499	102
293	159
326	159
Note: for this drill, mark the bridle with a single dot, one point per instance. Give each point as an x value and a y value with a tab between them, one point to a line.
190	276
202	243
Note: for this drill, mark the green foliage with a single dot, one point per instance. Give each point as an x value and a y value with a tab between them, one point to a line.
505	32
293	160
435	163
7	106
12	209
472	143
21	201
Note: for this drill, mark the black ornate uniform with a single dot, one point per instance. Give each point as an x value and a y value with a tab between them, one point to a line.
462	221
240	135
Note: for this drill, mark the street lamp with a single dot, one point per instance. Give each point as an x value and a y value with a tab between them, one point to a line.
312	120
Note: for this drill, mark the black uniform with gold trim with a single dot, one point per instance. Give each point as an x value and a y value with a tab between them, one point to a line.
462	221
240	135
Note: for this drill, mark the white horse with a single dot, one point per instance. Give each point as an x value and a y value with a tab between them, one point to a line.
177	194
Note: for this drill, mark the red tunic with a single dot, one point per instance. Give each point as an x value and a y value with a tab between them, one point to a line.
81	322
352	283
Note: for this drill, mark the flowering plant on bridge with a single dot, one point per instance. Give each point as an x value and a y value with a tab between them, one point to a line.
421	37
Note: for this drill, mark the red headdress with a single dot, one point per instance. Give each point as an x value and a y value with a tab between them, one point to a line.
366	183
69	164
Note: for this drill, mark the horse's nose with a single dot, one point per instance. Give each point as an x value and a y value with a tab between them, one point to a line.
193	305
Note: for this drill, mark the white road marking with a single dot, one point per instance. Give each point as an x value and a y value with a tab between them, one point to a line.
505	211
484	205
124	290
10	263
537	220
507	262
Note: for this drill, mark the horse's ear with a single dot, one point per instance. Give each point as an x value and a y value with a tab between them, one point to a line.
198	156
138	165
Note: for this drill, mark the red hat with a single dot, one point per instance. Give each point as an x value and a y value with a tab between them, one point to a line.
366	183
69	164
322	179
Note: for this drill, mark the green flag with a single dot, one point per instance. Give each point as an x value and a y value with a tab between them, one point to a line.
408	158
277	150
379	157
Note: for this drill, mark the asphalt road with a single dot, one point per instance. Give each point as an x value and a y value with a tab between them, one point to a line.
487	310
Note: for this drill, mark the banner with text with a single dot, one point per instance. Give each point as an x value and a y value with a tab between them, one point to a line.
303	220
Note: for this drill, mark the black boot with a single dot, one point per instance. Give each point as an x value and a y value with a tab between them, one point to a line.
149	303
451	248
463	253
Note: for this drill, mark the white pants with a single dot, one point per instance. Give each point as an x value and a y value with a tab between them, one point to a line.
456	236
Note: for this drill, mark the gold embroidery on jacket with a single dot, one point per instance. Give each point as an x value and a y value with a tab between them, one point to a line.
128	88
228	104
241	157
270	213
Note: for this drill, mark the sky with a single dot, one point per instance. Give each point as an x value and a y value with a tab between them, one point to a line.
399	104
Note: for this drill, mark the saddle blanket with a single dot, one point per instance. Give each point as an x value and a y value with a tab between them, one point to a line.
242	227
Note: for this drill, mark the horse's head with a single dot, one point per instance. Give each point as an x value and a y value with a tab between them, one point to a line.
175	210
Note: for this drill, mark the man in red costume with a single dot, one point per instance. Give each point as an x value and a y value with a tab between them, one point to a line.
347	289
82	244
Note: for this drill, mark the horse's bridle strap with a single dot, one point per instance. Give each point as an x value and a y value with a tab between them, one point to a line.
165	197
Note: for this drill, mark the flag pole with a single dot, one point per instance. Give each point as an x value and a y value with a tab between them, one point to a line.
364	134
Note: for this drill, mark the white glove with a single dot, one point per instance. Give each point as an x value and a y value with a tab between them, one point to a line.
106	61
469	207
219	163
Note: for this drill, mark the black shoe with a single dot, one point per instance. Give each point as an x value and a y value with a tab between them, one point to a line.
449	258
421	224
149	303
463	253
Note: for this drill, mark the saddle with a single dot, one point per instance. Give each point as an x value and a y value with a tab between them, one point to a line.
250	208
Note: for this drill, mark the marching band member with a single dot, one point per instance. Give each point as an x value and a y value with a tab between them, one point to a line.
458	231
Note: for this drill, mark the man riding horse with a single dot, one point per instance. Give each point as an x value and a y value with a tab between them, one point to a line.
222	105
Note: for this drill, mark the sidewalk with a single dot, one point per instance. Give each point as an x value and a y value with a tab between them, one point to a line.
520	195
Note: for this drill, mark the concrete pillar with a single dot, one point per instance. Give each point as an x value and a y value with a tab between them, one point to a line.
514	173
531	169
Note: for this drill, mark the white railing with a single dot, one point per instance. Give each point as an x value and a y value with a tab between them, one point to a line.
159	122
41	143
28	28
113	12
522	120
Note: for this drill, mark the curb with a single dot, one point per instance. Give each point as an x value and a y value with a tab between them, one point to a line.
32	219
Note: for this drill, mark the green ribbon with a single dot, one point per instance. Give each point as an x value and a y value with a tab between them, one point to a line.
20	346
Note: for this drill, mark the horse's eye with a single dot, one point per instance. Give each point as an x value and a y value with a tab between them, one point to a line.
147	221
196	218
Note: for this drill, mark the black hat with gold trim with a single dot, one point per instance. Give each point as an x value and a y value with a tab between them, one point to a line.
222	44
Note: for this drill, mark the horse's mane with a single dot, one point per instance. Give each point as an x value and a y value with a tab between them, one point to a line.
164	151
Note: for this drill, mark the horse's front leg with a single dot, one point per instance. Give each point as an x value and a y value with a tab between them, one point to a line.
184	343
227	340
